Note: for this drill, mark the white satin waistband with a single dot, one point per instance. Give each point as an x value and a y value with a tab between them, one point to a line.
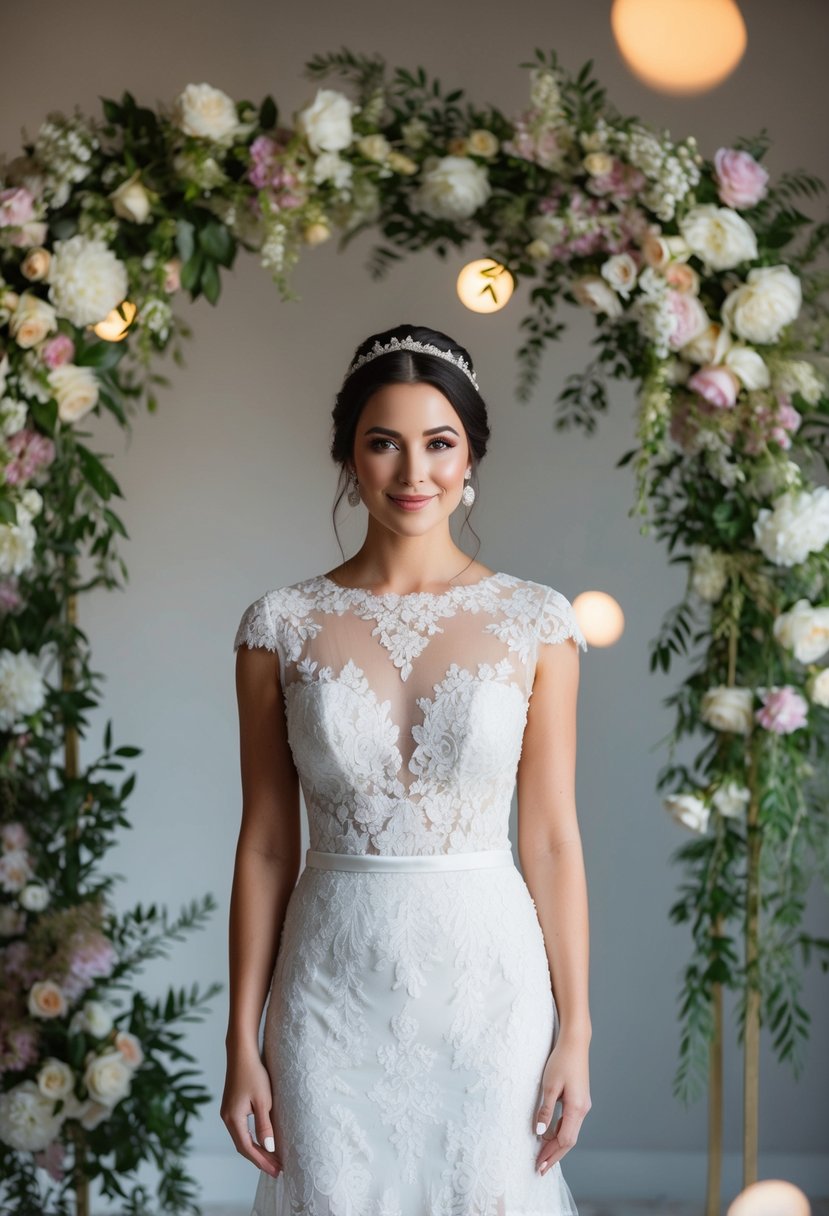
416	863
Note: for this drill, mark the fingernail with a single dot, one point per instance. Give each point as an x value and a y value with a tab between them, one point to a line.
539	1128
269	1144
545	1166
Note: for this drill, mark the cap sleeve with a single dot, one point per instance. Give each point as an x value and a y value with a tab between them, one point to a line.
557	620
256	627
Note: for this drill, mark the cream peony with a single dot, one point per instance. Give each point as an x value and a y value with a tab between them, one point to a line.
108	1077
315	234
731	799
326	122
718	236
55	1078
46	1000
400	163
75	389
593	292
131	201
804	630
797	525
818	688
451	188
748	366
769	300
32	320
22	688
728	709
374	147
688	811
482	142
710	346
620	272
17	542
205	113
87	280
27	1122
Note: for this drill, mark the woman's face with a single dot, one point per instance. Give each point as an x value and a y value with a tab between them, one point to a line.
410	441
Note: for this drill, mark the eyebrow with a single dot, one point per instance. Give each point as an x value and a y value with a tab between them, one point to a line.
384	430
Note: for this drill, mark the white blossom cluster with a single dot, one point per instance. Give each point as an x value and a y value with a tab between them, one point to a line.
64	148
673	170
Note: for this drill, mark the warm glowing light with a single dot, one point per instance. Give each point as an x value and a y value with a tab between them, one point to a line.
679	46
773	1197
485	285
600	617
114	327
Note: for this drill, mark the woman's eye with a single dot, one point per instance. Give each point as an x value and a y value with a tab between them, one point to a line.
375	442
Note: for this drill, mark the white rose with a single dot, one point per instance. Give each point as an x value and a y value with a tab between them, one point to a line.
130	1048
731	799
15	870
720	237
87	280
728	709
55	1078
374	147
797	525
22	688
94	1018
451	188
46	1000
330	167
537	249
108	1077
804	630
27	1122
31	502
748	366
34	897
620	272
597	164
687	810
769	300
35	265
76	390
710	347
326	122
94	1113
483	142
205	113
131	201
593	292
32	320
818	688
709	573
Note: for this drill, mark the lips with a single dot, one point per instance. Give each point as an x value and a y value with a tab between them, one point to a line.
412	498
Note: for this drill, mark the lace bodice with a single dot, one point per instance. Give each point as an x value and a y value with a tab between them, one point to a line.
406	713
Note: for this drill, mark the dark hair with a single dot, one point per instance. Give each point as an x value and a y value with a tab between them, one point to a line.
408	367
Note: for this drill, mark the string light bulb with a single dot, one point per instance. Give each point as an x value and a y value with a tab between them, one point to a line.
114	326
679	46
485	285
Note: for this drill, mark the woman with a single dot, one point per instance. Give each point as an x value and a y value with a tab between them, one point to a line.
428	1004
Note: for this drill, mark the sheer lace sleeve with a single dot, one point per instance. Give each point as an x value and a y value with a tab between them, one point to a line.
256	627
557	620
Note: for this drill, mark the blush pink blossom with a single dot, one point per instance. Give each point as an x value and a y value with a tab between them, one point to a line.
16	207
717	385
92	957
688	318
31	451
623	181
14	836
18	1048
741	181
51	1159
784	710
772	423
58	350
10	597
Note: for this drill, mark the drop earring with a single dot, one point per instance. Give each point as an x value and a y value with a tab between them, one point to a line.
353	492
468	496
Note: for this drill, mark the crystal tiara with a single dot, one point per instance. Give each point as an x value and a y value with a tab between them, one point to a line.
410	343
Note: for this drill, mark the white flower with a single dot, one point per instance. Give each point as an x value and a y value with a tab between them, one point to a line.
731	799
26	1119
748	366
131	201
75	389
727	708
87	280
451	188
818	688
32	320
374	147
710	346
688	811
34	897
15	870
326	122
31	502
130	1048
720	237
17	544
94	1018
483	142
538	250
709	573
804	630
55	1078
35	265
46	1000
205	113
12	415
593	292
769	300
797	525
620	273
22	688
798	376
415	132
597	164
331	167
108	1077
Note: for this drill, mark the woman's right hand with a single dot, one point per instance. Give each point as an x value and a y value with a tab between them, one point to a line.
248	1089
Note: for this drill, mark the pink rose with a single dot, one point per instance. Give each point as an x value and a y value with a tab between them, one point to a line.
58	350
172	275
717	385
741	181
688	318
784	710
15	207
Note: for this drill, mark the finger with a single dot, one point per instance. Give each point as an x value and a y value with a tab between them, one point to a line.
264	1126
546	1110
567	1134
242	1137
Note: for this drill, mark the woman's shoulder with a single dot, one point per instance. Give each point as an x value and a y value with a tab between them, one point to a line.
266	618
552	612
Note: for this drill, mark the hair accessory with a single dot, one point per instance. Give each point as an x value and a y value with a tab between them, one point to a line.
410	343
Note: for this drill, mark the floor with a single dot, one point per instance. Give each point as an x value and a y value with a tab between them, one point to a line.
604	1207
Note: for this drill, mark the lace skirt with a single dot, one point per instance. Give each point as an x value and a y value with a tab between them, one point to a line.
409	1020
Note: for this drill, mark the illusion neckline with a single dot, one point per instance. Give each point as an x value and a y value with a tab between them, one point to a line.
407	595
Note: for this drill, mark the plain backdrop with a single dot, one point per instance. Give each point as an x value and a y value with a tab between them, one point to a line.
228	491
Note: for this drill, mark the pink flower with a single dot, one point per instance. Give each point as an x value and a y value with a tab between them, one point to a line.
10	597
741	181
51	1160
57	350
14	836
717	385
623	181
784	710
31	451
15	207
92	957
688	318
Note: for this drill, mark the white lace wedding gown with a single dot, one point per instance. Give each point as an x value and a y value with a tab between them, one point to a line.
411	1011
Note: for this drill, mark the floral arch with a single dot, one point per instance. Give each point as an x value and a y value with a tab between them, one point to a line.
702	275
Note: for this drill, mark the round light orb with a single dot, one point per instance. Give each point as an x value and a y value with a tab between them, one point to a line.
485	285
772	1197
600	617
114	327
679	46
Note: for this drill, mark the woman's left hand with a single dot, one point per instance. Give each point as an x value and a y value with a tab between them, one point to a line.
566	1076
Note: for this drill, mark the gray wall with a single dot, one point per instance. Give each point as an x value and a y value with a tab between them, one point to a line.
228	492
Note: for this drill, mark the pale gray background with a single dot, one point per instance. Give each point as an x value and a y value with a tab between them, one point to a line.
228	492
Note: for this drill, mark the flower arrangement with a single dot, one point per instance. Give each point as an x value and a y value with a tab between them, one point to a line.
701	275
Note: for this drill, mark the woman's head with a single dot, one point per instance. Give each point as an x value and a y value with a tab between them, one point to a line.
408	392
